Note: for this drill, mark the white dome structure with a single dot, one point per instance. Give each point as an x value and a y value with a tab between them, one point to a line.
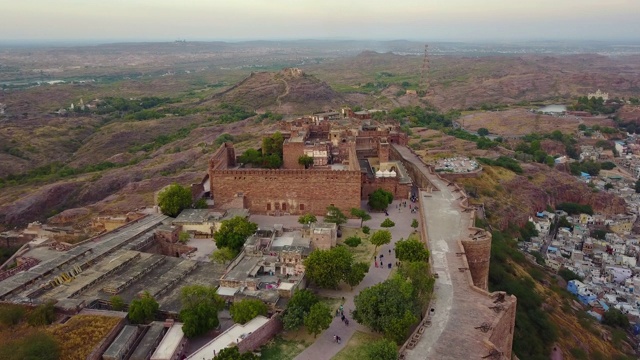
386	173
379	173
392	174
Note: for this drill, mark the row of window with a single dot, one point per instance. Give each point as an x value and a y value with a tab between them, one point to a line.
283	206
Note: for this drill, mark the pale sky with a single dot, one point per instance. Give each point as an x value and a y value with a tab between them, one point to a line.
462	20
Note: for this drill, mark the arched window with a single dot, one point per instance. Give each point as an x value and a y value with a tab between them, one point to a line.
268	206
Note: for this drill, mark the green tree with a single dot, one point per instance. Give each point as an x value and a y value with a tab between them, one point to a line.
550	161
417	273
414	223
318	319
223	255
528	231
366	230
173	199
250	156
117	304
272	161
232	353
614	317
568	275
39	345
582	127
307	219
272	145
360	214
306	161
245	310
357	272
44	314
387	223
199	312
234	232
637	186
334	215
608	186
326	268
183	237
380	237
223	139
388	307
353	241
200	204
483	131
411	250
11	315
143	309
297	308
380	199
382	350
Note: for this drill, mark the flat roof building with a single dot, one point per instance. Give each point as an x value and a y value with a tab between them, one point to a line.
172	344
231	337
121	346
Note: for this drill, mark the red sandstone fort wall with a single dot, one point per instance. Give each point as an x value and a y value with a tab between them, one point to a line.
290	191
399	191
291	151
478	254
223	158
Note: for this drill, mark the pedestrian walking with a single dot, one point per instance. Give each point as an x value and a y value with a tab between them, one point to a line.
376	264
389	251
335	338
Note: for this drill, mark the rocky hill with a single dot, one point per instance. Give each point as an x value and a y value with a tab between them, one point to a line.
504	192
289	91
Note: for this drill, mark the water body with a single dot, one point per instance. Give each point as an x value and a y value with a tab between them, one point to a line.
553	109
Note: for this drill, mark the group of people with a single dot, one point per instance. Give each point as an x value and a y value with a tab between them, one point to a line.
381	262
340	312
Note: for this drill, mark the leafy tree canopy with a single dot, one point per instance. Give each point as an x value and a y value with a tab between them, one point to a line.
382	350
36	346
411	250
307	219
144	309
335	215
380	237
173	199
380	199
318	319
353	241
360	214
223	255
44	314
297	308
326	268
232	353
356	274
305	160
388	307
245	310
387	223
414	224
117	304
200	306
483	131
234	232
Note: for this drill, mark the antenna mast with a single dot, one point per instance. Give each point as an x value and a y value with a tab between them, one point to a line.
424	74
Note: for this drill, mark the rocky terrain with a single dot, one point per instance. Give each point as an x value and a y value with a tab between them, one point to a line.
290	91
504	192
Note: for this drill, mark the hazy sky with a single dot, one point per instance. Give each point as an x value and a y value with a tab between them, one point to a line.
165	20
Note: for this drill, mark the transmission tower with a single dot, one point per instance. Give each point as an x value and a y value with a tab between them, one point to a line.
424	74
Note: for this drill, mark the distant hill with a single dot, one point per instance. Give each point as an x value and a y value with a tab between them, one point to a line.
289	91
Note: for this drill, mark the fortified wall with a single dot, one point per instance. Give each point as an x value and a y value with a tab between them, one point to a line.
419	178
280	191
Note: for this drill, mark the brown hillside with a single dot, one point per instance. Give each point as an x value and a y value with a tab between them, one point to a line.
502	192
289	91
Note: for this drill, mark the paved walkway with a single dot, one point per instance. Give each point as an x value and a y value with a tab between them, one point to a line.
324	347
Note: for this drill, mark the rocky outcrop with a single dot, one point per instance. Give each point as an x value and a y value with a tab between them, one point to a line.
546	188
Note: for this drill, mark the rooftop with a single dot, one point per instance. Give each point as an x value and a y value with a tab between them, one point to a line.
149	341
121	344
170	342
230	337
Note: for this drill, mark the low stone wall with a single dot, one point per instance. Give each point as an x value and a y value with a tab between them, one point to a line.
262	335
454	176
